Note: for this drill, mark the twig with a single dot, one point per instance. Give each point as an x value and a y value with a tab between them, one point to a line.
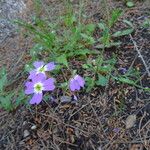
65	124
80	108
135	57
139	53
123	142
66	142
148	123
95	113
140	126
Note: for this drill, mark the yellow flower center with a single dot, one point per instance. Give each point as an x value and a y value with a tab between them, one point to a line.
38	87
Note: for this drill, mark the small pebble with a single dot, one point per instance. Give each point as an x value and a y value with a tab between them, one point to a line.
26	133
65	99
33	127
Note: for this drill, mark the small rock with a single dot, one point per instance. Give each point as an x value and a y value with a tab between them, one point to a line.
26	133
33	127
65	99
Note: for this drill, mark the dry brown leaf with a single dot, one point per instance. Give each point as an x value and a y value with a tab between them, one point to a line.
136	147
130	121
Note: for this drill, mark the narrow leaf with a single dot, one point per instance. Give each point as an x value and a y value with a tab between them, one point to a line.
102	81
126	80
122	33
114	17
62	60
130	4
3	79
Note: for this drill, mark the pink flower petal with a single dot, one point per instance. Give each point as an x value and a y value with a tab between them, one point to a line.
28	84
80	80
36	99
49	84
49	87
74	85
49	81
39	77
32	74
50	66
29	90
38	64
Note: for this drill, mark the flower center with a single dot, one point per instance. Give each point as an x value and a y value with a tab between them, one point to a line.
42	69
38	87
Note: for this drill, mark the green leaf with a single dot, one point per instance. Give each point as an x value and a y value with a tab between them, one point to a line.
122	33
114	17
20	99
89	28
129	23
101	46
146	23
24	24
37	48
90	82
112	61
85	66
5	102
82	52
105	68
102	26
130	4
69	19
28	68
102	80
126	80
3	79
62	60
64	85
88	39
105	39
130	82
44	37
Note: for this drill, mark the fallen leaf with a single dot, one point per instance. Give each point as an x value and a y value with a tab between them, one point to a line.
136	147
130	121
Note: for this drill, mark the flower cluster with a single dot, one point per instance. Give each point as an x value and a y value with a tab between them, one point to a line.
39	83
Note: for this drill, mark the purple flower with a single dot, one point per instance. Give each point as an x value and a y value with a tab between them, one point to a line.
40	67
122	70
39	84
76	83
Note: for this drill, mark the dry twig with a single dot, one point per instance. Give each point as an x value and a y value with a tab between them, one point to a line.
140	55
